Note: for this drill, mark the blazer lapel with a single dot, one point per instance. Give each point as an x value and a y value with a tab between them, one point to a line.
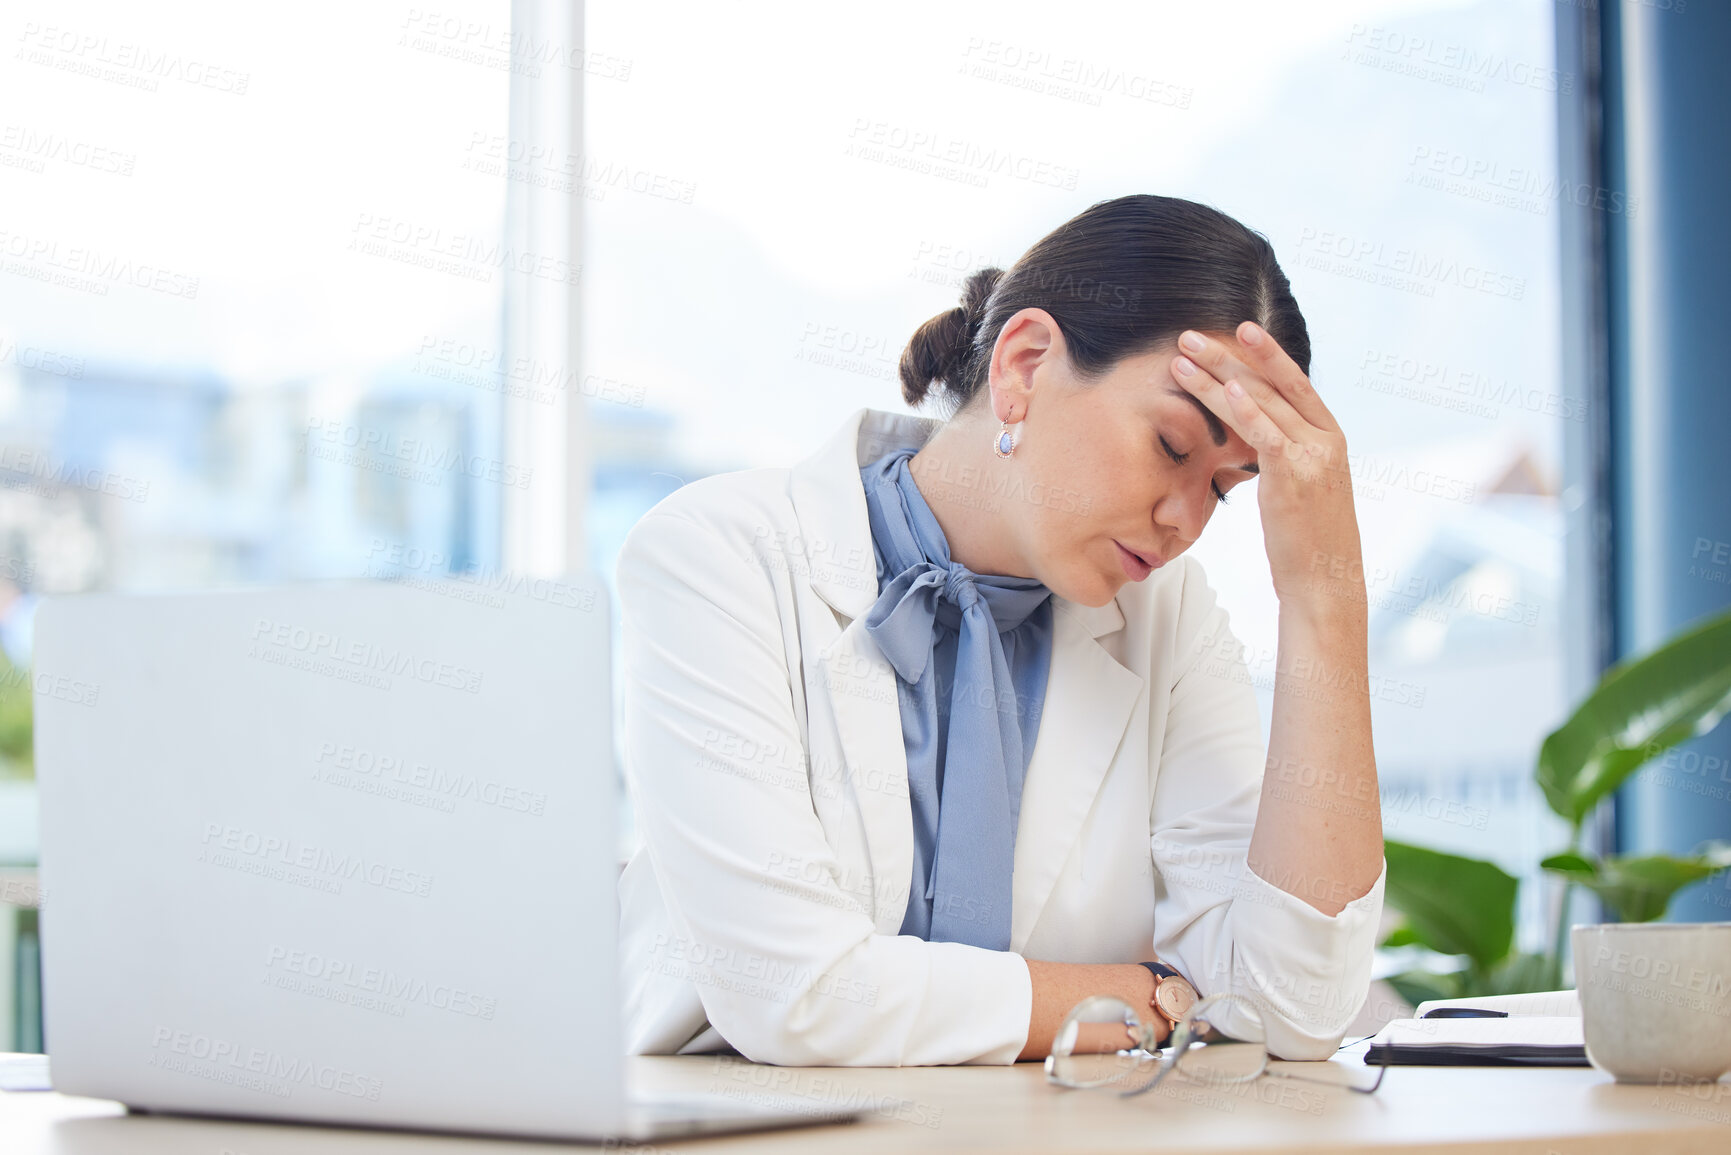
1089	699
829	503
862	694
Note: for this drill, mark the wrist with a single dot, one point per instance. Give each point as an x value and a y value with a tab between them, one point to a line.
1170	999
1333	617
1331	586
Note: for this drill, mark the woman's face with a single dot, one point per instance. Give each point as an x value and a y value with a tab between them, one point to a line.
1128	462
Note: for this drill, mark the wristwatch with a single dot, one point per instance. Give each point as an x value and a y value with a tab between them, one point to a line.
1173	994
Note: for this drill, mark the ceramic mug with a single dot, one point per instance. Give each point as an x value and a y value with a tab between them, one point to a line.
1655	999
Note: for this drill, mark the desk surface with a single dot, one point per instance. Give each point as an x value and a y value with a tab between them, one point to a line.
1544	1111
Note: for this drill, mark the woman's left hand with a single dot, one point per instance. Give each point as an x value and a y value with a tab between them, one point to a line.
1305	490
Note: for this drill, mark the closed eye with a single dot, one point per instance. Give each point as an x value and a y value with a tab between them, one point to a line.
1180	458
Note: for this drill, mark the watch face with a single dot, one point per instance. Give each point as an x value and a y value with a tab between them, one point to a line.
1174	996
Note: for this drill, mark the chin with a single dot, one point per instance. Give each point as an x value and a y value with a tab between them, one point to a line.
1096	592
1111	592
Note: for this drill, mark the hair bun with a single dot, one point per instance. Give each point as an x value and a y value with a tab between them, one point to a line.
977	292
942	348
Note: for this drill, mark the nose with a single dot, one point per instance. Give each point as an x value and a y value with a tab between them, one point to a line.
1184	511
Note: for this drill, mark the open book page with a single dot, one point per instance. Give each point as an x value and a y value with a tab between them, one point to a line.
1517	1030
24	1073
1536	1003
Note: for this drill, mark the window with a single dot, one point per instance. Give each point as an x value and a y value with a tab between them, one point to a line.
243	265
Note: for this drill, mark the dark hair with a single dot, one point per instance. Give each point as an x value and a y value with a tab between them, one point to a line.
1119	278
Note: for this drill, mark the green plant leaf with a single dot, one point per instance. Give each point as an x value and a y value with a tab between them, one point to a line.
1519	974
1400	936
1640	709
15	717
1638	888
1453	905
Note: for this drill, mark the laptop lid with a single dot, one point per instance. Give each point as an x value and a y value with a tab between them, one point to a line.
342	853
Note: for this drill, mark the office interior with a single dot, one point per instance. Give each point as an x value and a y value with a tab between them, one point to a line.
397	294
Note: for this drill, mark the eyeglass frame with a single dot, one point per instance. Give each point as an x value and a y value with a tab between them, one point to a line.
1181	1040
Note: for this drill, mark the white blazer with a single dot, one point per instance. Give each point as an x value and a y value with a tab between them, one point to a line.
763	754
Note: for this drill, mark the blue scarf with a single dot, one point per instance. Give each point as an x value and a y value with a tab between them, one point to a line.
971	654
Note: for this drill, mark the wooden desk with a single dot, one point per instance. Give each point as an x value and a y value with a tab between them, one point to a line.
1542	1111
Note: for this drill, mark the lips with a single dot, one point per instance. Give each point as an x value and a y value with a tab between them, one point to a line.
1136	565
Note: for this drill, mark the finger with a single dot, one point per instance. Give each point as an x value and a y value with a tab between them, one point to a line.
1218	360
1260	430
1280	370
1241	412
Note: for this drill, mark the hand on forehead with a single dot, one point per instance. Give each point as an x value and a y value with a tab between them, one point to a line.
1222	354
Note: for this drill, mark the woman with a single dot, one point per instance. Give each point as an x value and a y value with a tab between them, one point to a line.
936	733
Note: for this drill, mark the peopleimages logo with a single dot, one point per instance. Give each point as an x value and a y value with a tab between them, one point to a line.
56	686
36	148
90	270
361	657
128	64
364	768
256	1068
939	154
228	846
62	474
1662	970
358	978
1411	269
327	434
430	569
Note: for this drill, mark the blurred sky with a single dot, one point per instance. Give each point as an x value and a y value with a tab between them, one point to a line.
760	241
1308	122
266	139
1304	121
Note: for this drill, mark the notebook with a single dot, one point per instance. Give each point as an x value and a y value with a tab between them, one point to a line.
1542	1029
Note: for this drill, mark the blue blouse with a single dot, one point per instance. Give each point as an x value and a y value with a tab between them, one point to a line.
971	654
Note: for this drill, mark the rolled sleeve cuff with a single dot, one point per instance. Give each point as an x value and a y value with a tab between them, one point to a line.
1013	995
998	994
932	1004
1307	972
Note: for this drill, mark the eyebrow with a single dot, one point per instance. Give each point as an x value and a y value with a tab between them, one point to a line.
1216	428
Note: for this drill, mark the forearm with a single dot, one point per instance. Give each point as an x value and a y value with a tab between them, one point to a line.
1058	987
1318	828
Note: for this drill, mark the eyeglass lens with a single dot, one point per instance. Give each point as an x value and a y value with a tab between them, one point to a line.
1223	1042
1100	1042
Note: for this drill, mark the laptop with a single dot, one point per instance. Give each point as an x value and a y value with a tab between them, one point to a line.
343	853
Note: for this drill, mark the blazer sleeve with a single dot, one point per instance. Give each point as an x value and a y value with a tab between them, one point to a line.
1218	922
788	965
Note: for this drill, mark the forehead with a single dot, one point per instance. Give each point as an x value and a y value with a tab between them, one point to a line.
1155	391
1150	376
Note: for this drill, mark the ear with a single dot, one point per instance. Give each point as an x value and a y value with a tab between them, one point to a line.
1028	340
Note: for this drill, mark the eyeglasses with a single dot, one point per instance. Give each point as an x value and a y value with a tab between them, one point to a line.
1104	1042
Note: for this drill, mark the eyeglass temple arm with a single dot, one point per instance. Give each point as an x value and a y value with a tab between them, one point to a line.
1381	1070
1160	1070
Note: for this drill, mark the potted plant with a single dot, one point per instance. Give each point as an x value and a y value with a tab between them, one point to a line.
1466	907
